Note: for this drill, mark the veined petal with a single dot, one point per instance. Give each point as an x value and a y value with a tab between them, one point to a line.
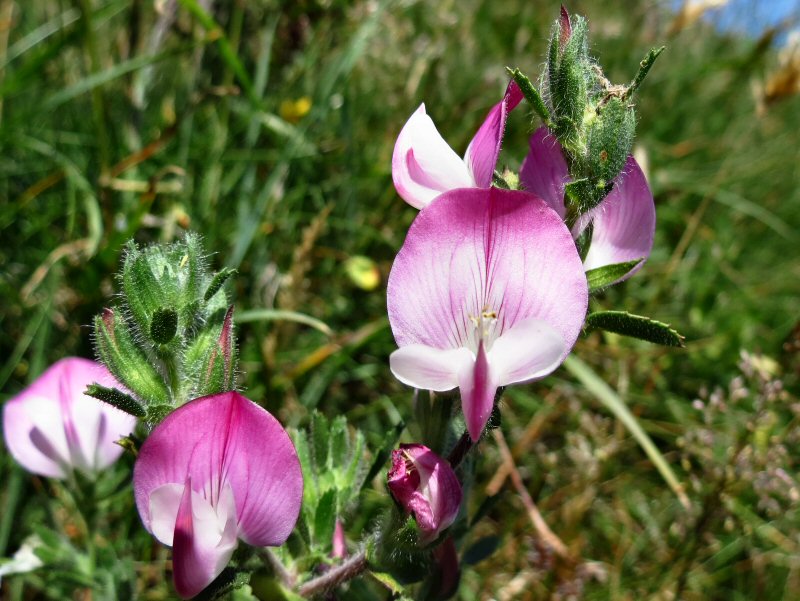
530	350
200	548
483	150
423	164
429	368
51	427
226	440
624	223
476	250
544	171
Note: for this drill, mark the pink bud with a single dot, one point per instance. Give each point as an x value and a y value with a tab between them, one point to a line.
566	28
339	542
425	485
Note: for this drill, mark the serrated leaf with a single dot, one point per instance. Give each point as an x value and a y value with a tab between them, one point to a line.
635	326
319	440
389	581
310	492
602	277
218	281
339	443
325	519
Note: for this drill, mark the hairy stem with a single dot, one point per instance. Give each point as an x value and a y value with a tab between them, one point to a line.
352	567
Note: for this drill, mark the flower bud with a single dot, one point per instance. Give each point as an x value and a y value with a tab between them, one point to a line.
424	484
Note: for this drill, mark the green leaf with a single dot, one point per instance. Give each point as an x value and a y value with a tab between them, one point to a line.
339	443
382	455
325	519
117	398
635	326
602	277
480	550
320	440
611	401
531	94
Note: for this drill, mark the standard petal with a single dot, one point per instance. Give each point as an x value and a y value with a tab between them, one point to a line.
220	440
200	550
624	223
429	368
530	350
544	171
483	150
473	251
423	164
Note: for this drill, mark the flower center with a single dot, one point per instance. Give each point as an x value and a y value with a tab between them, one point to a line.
484	329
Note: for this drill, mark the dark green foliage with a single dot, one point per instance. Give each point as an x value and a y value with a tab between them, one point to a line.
635	326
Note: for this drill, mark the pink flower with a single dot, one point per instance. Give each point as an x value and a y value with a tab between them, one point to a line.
487	290
424	165
425	485
51	428
623	224
218	469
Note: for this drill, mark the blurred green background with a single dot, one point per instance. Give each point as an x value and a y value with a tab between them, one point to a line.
268	127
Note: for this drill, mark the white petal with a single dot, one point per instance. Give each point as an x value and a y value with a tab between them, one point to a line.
430	368
529	350
423	164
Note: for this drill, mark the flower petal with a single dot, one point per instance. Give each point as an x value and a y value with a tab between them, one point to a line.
478	387
429	368
473	250
226	439
200	549
544	171
624	223
423	164
51	427
483	150
530	350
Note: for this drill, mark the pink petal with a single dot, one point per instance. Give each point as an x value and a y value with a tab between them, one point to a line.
483	150
478	249
51	427
423	164
478	387
624	223
201	549
544	171
226	439
529	350
429	368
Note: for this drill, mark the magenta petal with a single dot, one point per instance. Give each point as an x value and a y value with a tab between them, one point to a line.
425	484
423	164
544	171
202	543
624	223
478	387
51	427
483	150
226	440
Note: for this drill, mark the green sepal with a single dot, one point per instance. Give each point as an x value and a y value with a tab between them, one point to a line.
116	398
610	138
140	288
157	413
228	580
602	277
635	326
531	94
117	350
644	69
163	325
218	281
